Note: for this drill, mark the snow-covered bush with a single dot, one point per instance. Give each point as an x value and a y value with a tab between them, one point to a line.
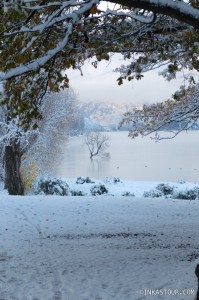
165	188
99	190
116	180
129	194
153	194
191	194
182	181
109	180
52	187
161	190
82	180
76	193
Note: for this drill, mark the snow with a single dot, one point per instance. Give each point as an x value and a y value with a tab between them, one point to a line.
78	248
118	188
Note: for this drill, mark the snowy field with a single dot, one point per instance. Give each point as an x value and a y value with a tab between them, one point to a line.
97	248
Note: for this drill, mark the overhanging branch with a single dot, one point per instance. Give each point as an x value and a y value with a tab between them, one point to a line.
179	10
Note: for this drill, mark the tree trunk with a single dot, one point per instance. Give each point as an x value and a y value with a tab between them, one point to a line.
12	163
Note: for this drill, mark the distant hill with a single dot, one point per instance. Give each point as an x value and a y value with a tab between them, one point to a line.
103	116
106	115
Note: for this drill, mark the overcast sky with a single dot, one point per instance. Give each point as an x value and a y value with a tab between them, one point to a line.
99	85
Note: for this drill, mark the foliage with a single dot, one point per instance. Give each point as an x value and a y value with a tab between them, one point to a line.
82	180
29	175
191	194
52	187
113	180
116	180
76	193
128	194
153	194
98	190
183	110
165	189
38	41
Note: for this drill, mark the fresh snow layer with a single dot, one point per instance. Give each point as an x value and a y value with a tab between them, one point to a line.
97	248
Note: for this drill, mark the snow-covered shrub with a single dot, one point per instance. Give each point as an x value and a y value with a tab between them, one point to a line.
153	194
76	193
161	190
116	180
52	187
165	188
182	181
129	194
82	180
187	194
109	180
99	190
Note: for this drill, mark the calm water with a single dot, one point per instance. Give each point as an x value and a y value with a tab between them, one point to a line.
139	159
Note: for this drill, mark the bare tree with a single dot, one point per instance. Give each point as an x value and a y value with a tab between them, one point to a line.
97	144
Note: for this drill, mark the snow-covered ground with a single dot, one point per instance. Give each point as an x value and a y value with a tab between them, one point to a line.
97	248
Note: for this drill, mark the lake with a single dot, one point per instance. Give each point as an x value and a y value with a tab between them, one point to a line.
139	159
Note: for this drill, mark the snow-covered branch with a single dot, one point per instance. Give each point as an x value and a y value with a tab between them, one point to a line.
173	115
45	30
183	11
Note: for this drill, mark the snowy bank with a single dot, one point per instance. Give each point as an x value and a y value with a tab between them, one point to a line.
84	186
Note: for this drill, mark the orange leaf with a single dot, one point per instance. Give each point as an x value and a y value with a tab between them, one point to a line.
51	84
93	10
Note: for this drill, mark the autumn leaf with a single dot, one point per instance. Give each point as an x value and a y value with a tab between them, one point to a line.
86	45
94	10
51	84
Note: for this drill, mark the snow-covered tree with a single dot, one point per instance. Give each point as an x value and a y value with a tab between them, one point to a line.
50	36
13	142
182	111
38	144
59	118
41	39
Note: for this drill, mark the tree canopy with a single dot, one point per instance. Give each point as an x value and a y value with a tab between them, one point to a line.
40	39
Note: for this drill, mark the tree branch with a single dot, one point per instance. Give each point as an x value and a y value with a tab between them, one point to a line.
179	10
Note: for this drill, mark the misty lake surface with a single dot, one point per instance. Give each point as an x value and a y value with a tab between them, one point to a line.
135	159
